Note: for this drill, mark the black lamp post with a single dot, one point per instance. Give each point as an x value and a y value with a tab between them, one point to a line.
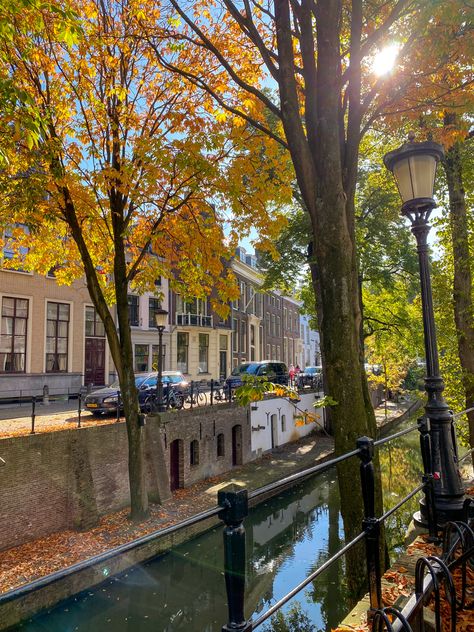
414	168
161	319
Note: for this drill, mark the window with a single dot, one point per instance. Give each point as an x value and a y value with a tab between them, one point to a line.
154	305
243	290
243	333
268	352
203	353
278	327
154	357
273	353
252	343
268	323
278	303
194	452
260	342
278	356
94	326
273	325
220	445
235	334
285	318
223	342
13	335
11	249
57	337
182	352
141	358
283	423
133	310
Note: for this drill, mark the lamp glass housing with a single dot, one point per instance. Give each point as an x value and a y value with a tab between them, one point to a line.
415	176
161	318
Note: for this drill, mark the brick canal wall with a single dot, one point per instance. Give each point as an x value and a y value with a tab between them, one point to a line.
63	480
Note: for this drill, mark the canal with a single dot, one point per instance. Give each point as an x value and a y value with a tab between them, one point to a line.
287	538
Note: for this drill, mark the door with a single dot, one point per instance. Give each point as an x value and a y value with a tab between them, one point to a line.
94	361
175	454
222	365
237	445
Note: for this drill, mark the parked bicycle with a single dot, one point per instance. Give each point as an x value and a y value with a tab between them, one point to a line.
171	399
195	395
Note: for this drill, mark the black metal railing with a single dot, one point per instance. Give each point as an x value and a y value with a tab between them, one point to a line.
234	510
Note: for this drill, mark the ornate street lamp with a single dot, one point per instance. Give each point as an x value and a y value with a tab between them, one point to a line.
161	319
414	168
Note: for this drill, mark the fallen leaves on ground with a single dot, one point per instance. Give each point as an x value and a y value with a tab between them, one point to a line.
40	557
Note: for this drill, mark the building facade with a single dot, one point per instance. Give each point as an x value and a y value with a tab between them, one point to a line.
50	335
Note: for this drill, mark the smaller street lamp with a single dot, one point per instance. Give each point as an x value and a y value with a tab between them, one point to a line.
414	168
161	319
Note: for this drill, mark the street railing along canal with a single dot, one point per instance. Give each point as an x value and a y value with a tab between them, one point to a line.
234	508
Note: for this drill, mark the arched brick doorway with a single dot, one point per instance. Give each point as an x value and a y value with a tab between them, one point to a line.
176	464
237	445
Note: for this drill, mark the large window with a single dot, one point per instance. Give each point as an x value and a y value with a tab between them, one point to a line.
13	335
220	445
94	326
133	310
243	334
57	337
203	353
235	334
141	358
182	352
154	305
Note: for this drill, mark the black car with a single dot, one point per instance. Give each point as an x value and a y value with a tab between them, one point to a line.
173	379
104	400
272	371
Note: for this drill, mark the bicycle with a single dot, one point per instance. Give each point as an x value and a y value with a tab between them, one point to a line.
194	396
171	399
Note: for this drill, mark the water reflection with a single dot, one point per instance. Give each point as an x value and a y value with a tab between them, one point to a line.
287	538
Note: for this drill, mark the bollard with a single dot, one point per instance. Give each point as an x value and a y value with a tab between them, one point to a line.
45	395
79	409
234	503
427	506
118	405
33	415
212	391
370	524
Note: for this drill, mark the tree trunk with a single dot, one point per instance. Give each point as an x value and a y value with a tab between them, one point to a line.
462	282
129	394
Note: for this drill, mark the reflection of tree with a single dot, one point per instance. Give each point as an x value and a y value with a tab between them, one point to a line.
330	590
401	472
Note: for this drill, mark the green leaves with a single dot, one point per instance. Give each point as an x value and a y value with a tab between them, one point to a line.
255	388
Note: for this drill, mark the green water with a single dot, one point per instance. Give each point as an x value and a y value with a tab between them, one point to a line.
287	538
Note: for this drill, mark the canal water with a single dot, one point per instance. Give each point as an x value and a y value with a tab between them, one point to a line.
287	538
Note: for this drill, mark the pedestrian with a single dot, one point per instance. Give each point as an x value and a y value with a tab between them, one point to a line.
297	376
291	373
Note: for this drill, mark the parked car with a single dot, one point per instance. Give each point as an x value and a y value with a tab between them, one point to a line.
276	372
173	379
104	400
311	376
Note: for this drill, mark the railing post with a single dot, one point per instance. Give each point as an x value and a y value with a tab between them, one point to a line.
427	514
118	406
79	407
234	503
370	524
33	413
